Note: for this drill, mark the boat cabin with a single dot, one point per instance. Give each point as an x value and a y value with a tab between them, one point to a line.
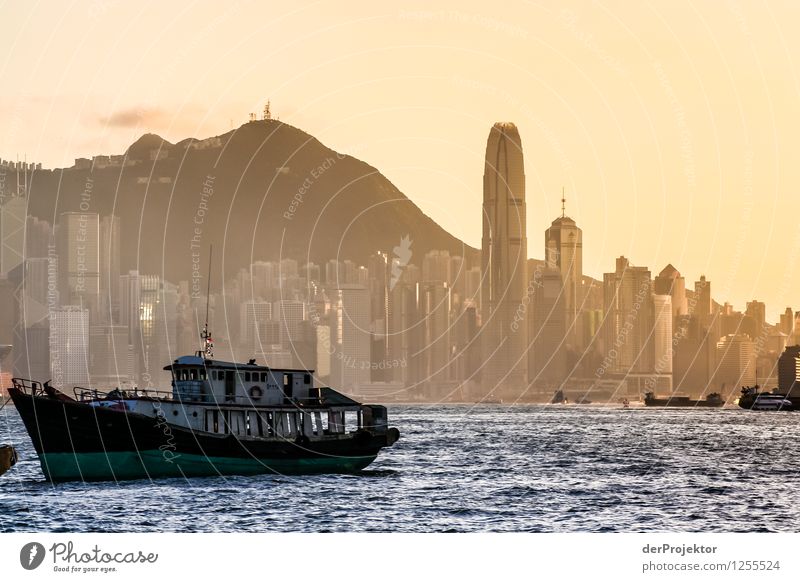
198	379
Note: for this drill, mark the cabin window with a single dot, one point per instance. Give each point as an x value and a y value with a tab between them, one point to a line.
263	376
193	373
287	385
203	374
216	421
247	376
307	378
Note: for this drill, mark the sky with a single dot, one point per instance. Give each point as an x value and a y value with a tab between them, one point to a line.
670	125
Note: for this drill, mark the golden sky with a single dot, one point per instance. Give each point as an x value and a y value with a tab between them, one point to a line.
672	125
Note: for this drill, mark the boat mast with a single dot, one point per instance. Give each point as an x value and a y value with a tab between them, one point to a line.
208	343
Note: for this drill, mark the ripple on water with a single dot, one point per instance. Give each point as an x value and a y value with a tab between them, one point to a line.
458	468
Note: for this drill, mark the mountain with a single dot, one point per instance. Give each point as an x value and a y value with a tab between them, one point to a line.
264	191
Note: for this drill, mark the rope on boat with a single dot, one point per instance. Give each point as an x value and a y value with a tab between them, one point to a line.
6	402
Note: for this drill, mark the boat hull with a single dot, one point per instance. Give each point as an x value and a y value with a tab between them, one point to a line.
664	402
75	442
154	464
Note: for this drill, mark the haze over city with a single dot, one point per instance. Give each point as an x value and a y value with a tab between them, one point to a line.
671	127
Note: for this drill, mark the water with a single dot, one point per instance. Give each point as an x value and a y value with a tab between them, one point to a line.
461	469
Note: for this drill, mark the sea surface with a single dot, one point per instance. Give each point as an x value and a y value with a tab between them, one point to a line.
549	468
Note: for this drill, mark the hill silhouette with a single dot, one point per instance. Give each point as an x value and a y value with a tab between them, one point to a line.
264	191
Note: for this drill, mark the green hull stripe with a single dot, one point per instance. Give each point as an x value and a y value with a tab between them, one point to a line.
155	463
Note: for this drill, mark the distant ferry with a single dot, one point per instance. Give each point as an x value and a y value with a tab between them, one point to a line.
220	418
752	399
713	400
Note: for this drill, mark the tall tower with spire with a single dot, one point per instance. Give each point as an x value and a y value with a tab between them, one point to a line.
564	252
504	261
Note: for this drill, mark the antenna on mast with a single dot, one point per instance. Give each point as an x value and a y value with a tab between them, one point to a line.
563	203
208	343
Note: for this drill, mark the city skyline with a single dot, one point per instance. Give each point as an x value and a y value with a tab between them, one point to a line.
545	255
643	333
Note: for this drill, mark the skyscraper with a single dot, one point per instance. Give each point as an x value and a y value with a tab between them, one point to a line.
13	211
253	316
702	301
736	365
79	258
757	312
350	337
548	358
69	346
670	282
662	335
564	252
628	322
109	267
504	260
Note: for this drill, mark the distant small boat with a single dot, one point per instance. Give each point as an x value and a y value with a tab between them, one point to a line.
559	398
8	458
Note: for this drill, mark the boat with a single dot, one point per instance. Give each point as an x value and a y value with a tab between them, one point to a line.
8	458
558	397
713	400
752	399
220	418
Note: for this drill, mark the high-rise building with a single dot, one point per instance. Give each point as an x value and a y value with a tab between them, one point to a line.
703	307
253	317
69	346
757	312
436	266
787	321
263	278
289	313
109	355
662	334
434	309
109	267
548	324
670	282
736	363
789	371
350	337
79	258
564	252
472	287
504	252
13	218
628	320
38	237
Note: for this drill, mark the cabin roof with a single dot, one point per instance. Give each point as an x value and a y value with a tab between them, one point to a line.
333	398
194	361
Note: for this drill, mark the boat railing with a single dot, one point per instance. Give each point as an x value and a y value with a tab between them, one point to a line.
89	394
26	386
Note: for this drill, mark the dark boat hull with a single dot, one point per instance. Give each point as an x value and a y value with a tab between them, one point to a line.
667	402
75	441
